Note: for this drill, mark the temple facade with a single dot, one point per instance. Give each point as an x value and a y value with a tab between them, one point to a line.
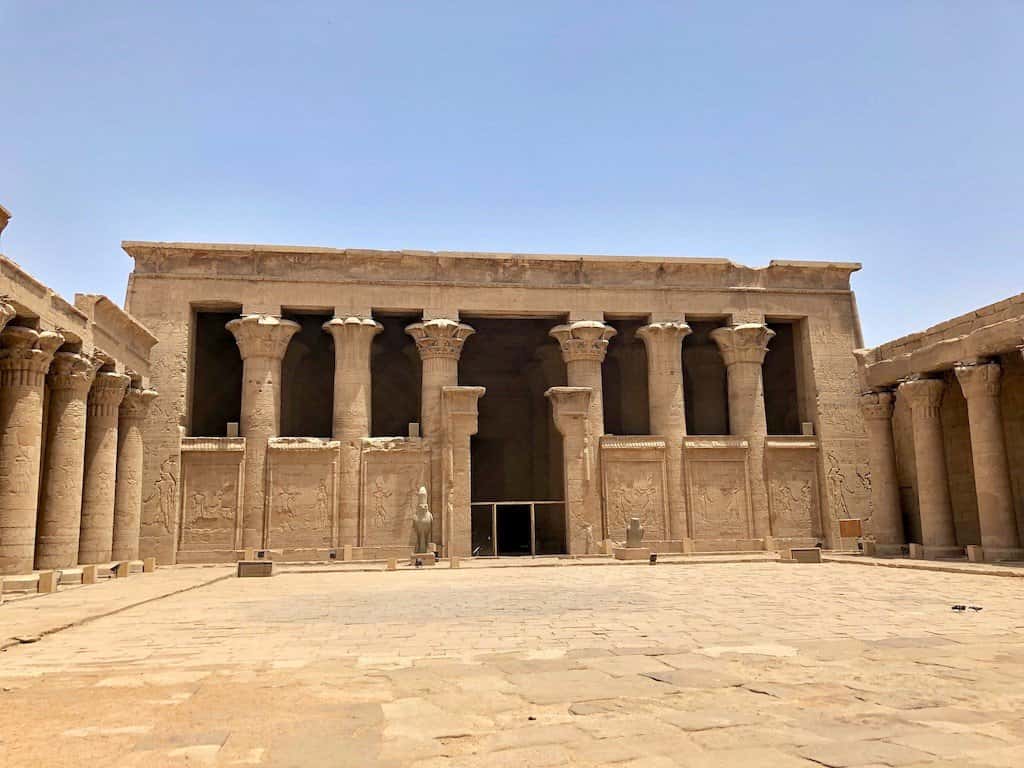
945	415
306	394
74	389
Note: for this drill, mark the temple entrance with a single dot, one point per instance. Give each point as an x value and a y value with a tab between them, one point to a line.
516	485
509	528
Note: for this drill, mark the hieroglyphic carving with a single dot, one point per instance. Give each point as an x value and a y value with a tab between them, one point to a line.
719	499
210	500
849	488
302	494
393	471
792	485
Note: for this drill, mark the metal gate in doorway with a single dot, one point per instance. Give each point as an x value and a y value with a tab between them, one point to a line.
517	528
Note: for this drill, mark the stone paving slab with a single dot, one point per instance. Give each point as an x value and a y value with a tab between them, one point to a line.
35	616
742	664
1009	569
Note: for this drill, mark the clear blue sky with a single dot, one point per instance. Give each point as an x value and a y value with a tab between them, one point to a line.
890	133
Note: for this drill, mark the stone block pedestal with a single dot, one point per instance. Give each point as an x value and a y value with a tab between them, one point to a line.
255	568
631	553
805	555
425	558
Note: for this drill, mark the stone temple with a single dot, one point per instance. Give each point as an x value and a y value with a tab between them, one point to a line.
295	400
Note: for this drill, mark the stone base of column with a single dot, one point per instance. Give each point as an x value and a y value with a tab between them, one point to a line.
994	555
888	550
936	553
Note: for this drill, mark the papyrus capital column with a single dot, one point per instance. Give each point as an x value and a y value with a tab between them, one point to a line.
25	356
584	345
743	349
262	341
353	337
97	531
886	517
128	487
924	396
7	313
460	415
353	411
439	343
664	343
584	522
996	517
60	508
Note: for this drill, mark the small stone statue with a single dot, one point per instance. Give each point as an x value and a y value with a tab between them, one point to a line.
634	533
423	522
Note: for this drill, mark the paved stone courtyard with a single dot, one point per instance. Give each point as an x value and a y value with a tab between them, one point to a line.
741	664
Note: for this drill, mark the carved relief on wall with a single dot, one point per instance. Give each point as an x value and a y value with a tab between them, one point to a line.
793	489
634	484
718	493
848	487
393	471
209	501
301	496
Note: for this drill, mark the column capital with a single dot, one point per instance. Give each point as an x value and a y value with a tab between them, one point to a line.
571	405
25	354
357	327
923	395
72	372
877	405
439	338
7	312
135	404
262	335
672	330
461	403
979	379
583	340
743	343
107	391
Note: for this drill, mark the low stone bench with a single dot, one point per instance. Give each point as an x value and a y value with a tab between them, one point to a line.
805	555
255	568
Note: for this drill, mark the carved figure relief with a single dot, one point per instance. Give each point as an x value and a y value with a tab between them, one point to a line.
165	490
210	503
719	492
792	492
302	498
392	476
843	491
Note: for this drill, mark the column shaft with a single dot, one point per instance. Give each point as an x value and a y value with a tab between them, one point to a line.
439	343
584	345
24	359
460	412
667	410
128	486
938	531
583	519
996	517
886	517
743	348
262	341
60	509
96	538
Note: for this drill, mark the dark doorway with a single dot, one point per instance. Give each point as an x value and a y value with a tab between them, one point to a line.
624	381
705	386
216	396
517	451
307	379
514	529
781	383
395	370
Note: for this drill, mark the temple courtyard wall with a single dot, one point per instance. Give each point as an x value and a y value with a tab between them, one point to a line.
945	410
74	388
542	399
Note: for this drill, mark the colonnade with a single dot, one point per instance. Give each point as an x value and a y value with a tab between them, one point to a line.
70	453
448	412
980	382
